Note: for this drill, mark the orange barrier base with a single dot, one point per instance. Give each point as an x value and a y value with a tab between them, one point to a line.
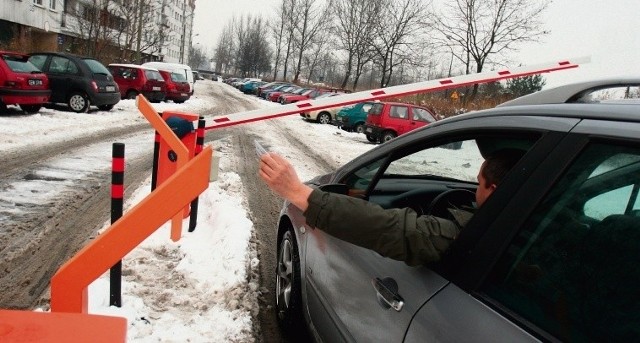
29	326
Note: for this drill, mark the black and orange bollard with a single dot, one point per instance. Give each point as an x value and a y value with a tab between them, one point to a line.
193	215
117	200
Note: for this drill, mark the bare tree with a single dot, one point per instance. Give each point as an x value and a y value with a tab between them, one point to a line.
353	29
476	30
313	18
399	24
278	33
225	49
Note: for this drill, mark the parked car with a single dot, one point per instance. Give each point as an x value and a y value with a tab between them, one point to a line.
267	91
78	81
177	86
22	83
353	118
325	115
550	256
387	120
306	95
178	68
268	86
275	95
251	86
135	79
295	93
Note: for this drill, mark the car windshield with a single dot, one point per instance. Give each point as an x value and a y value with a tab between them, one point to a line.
96	67
20	64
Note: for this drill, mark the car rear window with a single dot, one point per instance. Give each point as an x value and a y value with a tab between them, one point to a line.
178	77
153	75
96	67
20	64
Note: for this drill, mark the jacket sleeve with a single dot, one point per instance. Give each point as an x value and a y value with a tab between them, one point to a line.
399	234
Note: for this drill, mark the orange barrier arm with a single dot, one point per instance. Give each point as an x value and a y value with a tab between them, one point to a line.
176	145
30	326
69	284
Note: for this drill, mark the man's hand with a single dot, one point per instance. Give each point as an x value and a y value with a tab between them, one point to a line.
280	176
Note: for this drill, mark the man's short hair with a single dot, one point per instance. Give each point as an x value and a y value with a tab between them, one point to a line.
498	164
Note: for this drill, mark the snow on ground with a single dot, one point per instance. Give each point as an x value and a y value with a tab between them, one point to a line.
196	289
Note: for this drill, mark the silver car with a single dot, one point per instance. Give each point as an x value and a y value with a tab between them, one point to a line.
551	256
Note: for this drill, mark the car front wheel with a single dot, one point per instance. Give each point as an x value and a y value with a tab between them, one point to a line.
30	109
288	289
371	139
359	128
324	118
78	102
132	94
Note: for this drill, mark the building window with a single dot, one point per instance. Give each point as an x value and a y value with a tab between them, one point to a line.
52	4
37	2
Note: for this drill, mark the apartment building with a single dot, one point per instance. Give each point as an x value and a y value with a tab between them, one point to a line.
118	30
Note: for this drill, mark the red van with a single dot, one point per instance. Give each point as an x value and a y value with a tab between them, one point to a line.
177	86
388	120
134	79
22	83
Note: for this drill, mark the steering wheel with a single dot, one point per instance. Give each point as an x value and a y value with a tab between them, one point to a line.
453	198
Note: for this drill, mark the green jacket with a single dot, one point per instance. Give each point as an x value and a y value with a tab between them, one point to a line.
400	234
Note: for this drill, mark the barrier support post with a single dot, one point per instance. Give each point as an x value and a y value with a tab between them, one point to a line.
193	216
117	200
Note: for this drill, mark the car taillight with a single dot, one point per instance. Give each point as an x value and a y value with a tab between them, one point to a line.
11	84
171	87
94	85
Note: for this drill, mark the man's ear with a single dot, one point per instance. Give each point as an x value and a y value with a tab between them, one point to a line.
493	187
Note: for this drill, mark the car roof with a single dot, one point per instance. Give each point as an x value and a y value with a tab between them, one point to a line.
4	52
129	65
574	92
598	111
65	54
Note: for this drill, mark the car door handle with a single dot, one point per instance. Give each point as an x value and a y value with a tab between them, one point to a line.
387	292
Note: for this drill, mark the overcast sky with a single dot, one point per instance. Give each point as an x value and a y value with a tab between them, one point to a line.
605	30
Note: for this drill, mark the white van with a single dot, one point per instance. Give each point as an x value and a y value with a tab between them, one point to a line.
176	68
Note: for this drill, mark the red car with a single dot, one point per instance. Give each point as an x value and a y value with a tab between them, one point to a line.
307	94
388	120
134	79
274	96
22	83
177	87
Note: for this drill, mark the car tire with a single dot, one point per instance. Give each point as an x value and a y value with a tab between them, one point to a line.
178	101
30	109
372	139
288	290
131	94
105	107
324	118
3	107
387	136
359	128
78	102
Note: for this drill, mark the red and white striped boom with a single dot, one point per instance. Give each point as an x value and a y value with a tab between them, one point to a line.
394	91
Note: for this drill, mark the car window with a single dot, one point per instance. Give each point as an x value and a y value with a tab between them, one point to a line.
19	64
459	160
401	112
96	67
422	115
152	75
38	61
376	109
178	77
572	269
366	107
63	65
